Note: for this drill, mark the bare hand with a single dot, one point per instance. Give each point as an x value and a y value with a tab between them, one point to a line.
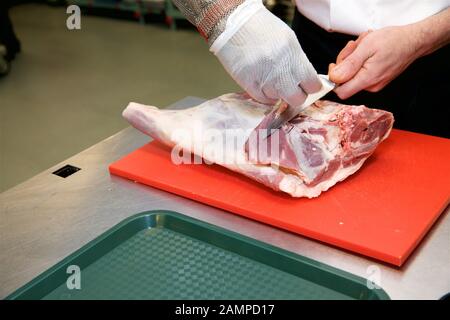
373	60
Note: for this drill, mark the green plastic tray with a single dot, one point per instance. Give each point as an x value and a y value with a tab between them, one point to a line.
166	255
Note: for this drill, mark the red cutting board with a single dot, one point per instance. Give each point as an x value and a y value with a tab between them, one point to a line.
382	211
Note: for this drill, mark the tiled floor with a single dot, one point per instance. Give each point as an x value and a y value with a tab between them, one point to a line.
67	88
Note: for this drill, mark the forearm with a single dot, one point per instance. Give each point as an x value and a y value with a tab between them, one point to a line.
209	16
432	33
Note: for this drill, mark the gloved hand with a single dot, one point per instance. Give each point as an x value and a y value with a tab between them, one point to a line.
264	57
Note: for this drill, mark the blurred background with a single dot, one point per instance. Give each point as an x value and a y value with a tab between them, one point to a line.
63	90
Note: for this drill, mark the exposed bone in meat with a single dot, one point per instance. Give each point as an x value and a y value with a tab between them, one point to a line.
323	145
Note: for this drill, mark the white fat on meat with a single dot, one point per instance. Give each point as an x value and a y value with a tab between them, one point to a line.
323	145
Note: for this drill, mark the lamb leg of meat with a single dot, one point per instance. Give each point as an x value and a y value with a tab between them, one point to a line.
323	145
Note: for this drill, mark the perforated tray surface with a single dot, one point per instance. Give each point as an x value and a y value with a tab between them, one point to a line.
165	255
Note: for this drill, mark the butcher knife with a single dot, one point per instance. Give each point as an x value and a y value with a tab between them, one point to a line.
291	112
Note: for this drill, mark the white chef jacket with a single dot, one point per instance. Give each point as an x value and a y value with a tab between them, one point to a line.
356	16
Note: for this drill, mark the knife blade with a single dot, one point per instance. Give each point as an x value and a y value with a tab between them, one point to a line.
291	112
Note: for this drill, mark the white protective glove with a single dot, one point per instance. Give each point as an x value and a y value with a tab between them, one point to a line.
264	57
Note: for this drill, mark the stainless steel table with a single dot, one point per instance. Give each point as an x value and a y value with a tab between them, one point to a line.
48	217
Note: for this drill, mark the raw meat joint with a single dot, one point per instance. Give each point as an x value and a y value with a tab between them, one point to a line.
323	145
